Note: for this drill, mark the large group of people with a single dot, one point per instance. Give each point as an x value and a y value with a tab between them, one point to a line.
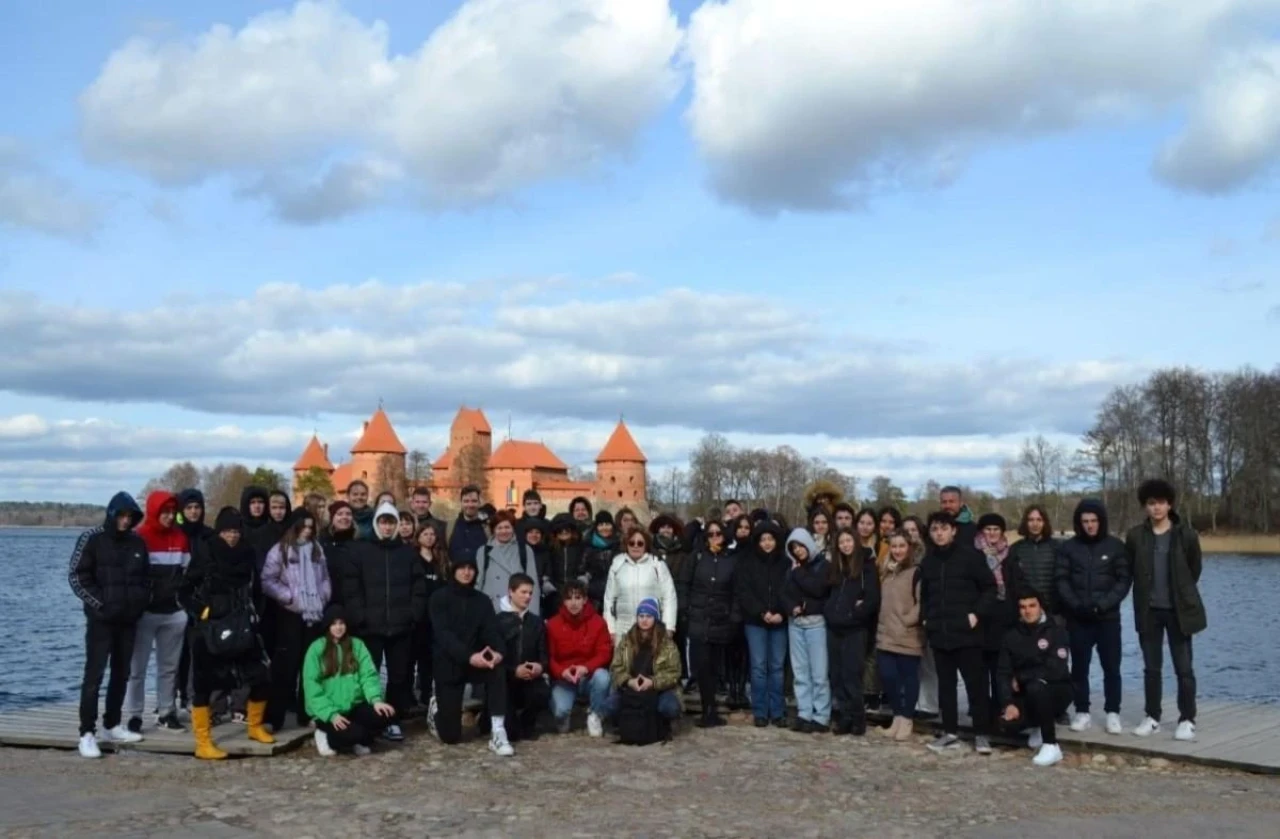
272	611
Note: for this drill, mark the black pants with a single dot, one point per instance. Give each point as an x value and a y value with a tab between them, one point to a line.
990	666
449	689
966	663
1164	622
526	698
105	643
210	674
1084	636
397	650
363	725
1041	704
292	637
846	660
706	660
184	680
422	641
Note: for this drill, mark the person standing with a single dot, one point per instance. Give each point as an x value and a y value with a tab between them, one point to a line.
850	613
361	512
601	547
469	532
502	557
634	576
917	533
705	597
1093	577
1164	552
435	573
420	506
804	597
191	515
1003	614
1035	554
1033	685
899	635
762	572
111	575
951	500
163	627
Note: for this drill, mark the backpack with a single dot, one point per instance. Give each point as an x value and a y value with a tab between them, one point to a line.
638	720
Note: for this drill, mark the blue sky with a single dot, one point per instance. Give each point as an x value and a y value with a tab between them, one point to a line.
699	217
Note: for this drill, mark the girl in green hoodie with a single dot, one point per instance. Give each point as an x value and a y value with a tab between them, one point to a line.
343	690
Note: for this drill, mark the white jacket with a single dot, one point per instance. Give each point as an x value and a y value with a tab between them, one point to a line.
630	582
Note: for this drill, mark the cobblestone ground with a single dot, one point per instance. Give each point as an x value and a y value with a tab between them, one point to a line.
735	781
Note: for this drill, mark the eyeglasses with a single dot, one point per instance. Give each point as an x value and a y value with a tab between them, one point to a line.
638	543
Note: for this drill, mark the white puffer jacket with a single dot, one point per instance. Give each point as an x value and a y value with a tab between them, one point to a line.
630	582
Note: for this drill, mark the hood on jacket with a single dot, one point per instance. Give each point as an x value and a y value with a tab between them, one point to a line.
591	511
191	496
288	503
803	536
769	526
121	502
248	494
384	510
821	489
666	520
156	502
1091	505
588	612
505	605
524	525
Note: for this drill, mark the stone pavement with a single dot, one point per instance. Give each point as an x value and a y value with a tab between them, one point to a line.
730	782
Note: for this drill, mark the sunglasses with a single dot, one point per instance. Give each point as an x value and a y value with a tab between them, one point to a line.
714	534
638	543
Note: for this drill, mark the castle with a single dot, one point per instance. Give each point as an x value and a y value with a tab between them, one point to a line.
503	474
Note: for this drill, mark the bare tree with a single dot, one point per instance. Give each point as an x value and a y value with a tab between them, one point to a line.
885	494
417	468
223	485
176	478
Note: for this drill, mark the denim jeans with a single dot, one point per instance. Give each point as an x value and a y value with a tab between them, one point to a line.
595	688
1164	622
809	666
767	646
669	705
901	677
1084	636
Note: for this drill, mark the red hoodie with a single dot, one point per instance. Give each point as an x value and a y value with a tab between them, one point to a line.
578	640
168	550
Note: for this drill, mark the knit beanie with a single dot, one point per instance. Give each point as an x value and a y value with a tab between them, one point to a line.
604	517
649	607
992	519
228	519
334	612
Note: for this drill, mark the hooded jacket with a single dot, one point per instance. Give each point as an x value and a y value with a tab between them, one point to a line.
385	592
1032	653
251	522
706	591
565	562
629	582
263	532
578	640
218	574
1035	558
1092	573
198	528
672	551
1184	572
598	554
463	623
855	601
760	577
339	549
168	552
524	636
808	586
109	570
955	583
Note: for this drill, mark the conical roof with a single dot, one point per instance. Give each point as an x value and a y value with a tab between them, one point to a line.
621	447
378	437
313	456
472	419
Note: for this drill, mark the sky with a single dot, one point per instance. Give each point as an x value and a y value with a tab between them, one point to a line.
901	237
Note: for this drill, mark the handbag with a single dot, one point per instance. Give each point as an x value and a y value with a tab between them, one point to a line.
233	634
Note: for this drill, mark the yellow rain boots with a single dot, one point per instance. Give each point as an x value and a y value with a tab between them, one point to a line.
256	711
202	726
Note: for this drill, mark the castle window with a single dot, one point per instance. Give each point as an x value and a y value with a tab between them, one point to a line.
364	475
619	493
631	480
613	479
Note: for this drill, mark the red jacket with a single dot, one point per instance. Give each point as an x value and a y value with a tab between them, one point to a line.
582	640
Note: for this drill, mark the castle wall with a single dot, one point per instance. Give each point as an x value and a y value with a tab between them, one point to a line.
620	483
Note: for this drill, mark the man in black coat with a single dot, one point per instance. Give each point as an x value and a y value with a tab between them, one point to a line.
525	658
469	532
1092	576
1033	683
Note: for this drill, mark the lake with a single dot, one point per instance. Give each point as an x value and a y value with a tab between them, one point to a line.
43	626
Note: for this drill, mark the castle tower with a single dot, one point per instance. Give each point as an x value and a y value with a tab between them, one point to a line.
378	458
470	446
314	456
620	470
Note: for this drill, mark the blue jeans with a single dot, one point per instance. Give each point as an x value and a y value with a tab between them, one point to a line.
669	705
1084	636
595	688
809	665
767	646
901	677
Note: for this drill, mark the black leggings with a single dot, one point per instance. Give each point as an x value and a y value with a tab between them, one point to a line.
292	637
363	724
449	698
705	662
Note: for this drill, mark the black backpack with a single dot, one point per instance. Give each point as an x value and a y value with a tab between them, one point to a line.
638	720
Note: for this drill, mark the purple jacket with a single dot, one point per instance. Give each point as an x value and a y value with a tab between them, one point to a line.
282	581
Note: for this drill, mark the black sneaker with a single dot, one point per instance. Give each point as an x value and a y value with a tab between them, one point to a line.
761	722
780	722
135	725
169	722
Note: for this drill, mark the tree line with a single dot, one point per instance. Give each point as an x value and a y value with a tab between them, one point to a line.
221	484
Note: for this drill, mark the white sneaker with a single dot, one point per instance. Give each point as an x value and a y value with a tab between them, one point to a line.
595	725
89	746
1186	730
1049	754
361	751
431	718
499	745
1147	727
1114	725
1081	722
120	734
1035	740
322	744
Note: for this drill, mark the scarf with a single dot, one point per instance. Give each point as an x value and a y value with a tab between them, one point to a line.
996	553
965	516
309	600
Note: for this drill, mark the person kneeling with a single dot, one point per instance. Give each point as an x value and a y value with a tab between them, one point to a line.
467	642
580	649
646	672
343	690
525	658
1032	677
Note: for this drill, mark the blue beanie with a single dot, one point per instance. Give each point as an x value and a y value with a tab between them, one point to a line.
649	607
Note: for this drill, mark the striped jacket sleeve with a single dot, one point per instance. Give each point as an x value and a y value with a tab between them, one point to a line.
81	575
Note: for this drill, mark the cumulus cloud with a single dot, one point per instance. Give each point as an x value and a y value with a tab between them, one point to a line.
34	198
816	104
503	94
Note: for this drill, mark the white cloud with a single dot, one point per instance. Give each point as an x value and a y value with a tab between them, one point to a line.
503	94
815	104
34	198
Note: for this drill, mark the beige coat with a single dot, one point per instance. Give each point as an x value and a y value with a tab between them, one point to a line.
899	630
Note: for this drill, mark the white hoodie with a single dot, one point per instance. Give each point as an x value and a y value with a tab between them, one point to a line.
629	583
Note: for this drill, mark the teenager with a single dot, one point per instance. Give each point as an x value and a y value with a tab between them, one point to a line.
579	650
217	592
469	531
843	515
646	659
318	506
1034	685
468	650
1093	577
420	506
502	557
600	548
850	614
524	658
534	532
532	508
565	562
343	691
738	530
191	518
111	574
1164	552
820	528
635	576
581	512
385	595
956	590
361	512
1003	614
625	521
890	521
899	634
338	543
669	546
435	576
407	527
804	598
916	532
705	595
295	579
1035	554
758	583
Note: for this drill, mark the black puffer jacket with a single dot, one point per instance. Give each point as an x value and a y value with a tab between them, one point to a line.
338	550
385	592
854	603
464	623
1092	573
706	584
110	570
1003	614
596	562
218	576
1036	558
1031	653
759	577
955	583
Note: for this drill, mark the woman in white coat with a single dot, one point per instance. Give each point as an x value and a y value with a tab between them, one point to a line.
635	575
